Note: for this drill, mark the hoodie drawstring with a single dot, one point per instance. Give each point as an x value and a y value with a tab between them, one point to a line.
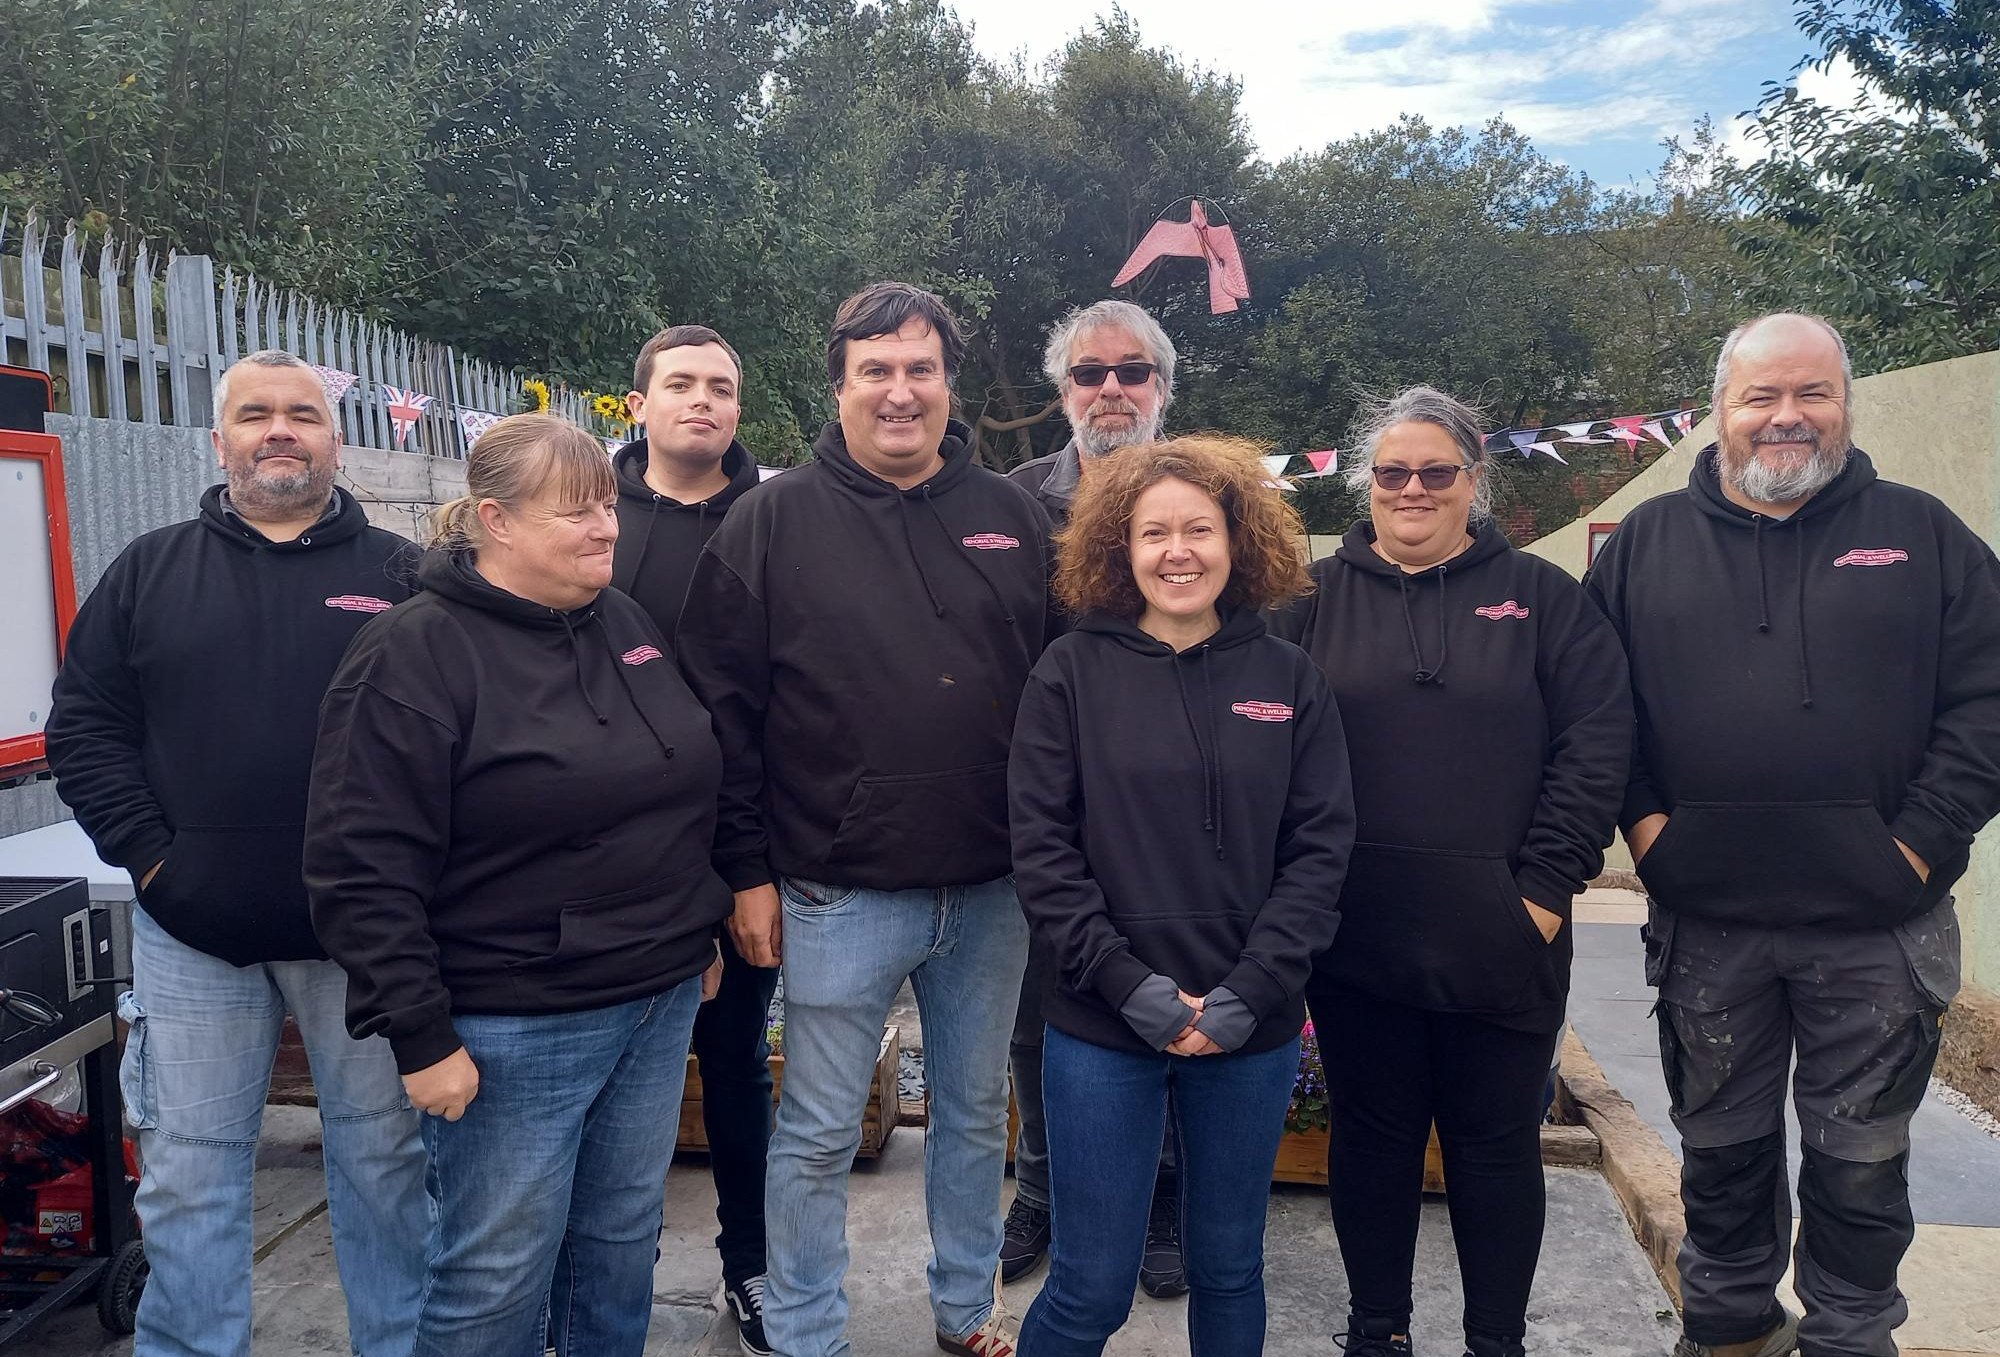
1799	602
1211	767
1763	592
910	541
991	587
1805	668
618	667
1433	674
576	657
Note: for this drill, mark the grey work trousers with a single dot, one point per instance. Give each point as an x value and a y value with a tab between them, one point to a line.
1859	1010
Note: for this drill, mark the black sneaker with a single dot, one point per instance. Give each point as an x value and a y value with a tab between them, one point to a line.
1026	1242
1160	1270
1372	1338
746	1302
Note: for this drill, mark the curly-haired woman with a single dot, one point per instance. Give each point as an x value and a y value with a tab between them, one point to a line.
1181	822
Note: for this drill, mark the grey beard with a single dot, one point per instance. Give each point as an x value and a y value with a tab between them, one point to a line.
281	497
1095	444
1770	486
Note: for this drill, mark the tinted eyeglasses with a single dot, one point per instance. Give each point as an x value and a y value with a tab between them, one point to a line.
1437	477
1129	374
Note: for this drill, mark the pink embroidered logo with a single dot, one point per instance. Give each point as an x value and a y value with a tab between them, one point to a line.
640	654
359	603
1502	610
991	541
1873	556
1262	711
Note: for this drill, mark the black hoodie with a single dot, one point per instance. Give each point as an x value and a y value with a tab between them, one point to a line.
862	649
1489	727
1810	689
660	539
182	727
1184	815
512	809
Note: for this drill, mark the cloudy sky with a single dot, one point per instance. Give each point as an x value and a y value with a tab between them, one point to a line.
1596	83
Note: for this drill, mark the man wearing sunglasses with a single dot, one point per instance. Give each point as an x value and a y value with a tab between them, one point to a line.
1114	366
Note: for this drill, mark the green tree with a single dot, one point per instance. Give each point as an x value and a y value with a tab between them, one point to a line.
1882	217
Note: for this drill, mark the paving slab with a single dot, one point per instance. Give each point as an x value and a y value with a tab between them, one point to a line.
1595	1294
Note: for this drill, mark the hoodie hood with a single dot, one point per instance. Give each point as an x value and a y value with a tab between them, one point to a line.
1357	549
956	450
452	575
630	464
342	522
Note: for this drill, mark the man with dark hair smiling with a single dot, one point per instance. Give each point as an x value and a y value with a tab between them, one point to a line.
861	629
676	481
1816	662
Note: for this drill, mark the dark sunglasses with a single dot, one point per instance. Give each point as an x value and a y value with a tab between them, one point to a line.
1433	477
1129	374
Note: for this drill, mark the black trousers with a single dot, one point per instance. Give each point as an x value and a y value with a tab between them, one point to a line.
1391	1070
734	1056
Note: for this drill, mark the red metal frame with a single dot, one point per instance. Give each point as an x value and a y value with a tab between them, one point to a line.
22	755
1590	541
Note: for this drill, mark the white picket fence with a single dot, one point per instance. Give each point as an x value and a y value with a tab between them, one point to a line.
144	343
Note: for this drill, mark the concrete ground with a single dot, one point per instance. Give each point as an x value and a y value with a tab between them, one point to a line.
1595	1296
1952	1275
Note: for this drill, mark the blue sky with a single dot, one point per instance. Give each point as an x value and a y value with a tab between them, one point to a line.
1596	84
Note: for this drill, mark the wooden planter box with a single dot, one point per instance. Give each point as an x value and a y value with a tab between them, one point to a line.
877	1121
1302	1159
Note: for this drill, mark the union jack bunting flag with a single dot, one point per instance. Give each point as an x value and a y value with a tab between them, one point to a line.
405	409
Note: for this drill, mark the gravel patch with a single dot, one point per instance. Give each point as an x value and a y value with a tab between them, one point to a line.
1967	1108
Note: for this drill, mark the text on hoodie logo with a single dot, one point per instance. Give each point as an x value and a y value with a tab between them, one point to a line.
1873	556
359	603
1262	711
640	654
991	541
1498	611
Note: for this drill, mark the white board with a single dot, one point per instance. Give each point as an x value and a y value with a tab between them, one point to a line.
27	599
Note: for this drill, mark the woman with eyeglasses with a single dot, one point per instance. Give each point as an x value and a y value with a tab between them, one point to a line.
1489	725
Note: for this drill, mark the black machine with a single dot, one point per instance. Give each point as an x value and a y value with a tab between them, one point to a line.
56	999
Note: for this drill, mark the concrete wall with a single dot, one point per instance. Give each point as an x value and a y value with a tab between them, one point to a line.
125	479
1936	427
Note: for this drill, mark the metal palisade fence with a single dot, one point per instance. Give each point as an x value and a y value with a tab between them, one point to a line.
144	339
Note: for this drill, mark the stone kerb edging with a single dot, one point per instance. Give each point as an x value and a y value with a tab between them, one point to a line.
1642	1171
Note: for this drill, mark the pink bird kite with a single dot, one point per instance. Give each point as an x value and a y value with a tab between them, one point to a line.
1194	239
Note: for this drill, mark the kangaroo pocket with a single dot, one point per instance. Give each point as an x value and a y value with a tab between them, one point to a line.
1441	930
903	830
650	935
236	893
1782	863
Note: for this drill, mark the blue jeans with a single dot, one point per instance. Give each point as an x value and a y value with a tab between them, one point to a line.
1105	1113
550	1187
846	953
196	1071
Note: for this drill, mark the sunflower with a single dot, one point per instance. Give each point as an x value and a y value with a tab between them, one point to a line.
539	389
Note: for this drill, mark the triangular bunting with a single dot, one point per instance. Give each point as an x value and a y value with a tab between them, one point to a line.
1658	431
1550	449
405	408
475	423
1684	421
1625	428
336	382
1322	462
1277	462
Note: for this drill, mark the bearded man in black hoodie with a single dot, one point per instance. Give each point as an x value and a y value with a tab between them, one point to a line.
675	483
1816	661
182	736
861	629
